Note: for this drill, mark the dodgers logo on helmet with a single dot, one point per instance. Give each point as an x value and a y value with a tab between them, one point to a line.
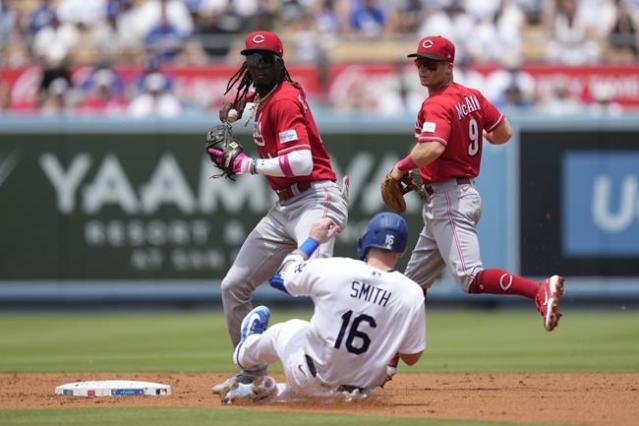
386	231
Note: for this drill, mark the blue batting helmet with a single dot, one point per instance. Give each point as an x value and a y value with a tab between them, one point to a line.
386	231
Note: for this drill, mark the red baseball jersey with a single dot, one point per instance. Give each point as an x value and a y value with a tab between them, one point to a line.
284	123
456	117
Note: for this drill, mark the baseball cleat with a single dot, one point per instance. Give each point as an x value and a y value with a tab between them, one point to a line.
255	322
547	300
224	387
259	390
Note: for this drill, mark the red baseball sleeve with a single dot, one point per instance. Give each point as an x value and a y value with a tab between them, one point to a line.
290	126
492	116
435	125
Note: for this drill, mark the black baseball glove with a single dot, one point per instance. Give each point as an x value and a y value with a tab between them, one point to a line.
225	151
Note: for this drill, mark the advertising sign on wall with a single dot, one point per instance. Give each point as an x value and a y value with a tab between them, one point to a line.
579	207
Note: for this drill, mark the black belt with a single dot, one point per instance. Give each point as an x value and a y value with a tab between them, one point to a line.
311	365
341	388
460	181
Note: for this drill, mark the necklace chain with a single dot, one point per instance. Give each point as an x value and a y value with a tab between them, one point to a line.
256	103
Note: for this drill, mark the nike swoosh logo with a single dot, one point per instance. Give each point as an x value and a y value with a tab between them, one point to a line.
7	166
301	369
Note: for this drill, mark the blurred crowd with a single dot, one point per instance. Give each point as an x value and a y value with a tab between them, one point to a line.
59	35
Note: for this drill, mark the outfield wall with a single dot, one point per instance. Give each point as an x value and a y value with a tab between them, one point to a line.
94	209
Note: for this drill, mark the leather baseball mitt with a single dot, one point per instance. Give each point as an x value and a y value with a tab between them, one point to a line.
224	150
393	191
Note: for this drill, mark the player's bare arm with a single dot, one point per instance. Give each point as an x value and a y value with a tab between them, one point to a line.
321	231
501	134
421	155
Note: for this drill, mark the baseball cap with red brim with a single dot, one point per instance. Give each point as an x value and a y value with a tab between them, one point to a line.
436	48
263	41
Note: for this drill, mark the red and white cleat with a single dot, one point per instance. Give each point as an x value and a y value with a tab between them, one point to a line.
547	300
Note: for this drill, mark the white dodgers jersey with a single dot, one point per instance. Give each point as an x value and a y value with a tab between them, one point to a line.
362	318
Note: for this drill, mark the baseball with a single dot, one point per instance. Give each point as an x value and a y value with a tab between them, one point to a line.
232	115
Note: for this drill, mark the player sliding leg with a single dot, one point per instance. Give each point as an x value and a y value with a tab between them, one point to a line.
363	307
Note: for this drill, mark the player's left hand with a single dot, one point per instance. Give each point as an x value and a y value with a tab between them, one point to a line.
397	174
226	152
324	229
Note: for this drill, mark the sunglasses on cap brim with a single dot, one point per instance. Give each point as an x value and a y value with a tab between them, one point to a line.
260	58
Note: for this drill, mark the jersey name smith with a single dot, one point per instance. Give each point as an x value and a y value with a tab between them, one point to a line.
370	293
469	105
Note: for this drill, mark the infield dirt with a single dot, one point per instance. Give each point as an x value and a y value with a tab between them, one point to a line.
592	398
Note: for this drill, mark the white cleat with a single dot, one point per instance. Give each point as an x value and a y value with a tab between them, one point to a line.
547	300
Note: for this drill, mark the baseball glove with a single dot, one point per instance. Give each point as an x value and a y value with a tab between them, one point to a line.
393	191
223	150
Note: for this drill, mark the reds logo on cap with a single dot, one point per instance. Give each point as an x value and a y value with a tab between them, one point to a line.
264	41
437	48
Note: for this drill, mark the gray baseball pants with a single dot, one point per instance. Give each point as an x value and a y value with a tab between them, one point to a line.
278	233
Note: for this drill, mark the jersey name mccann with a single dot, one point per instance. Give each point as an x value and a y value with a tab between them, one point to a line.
469	105
370	293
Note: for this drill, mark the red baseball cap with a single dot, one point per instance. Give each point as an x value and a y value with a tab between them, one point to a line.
437	48
264	41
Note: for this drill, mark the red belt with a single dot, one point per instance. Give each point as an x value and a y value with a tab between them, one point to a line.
460	181
293	190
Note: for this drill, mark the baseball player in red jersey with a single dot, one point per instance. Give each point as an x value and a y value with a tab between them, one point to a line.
449	131
291	155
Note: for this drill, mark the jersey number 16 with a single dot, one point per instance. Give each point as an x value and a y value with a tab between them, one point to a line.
353	333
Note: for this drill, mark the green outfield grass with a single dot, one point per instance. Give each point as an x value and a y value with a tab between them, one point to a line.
471	341
202	416
190	342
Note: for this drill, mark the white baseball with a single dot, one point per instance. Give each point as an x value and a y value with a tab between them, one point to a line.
232	115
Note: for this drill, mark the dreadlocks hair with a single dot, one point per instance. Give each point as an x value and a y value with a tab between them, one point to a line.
243	80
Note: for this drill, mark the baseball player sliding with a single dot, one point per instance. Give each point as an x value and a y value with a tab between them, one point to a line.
291	155
450	127
365	313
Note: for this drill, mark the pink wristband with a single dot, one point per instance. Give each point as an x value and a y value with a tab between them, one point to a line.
406	164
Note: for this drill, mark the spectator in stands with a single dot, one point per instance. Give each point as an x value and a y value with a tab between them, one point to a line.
5	96
216	25
452	22
572	35
51	74
84	12
149	15
368	18
558	100
156	100
603	101
111	39
104	93
406	17
164	42
54	43
498	36
509	83
8	24
330	17
622	39
58	99
465	73
41	16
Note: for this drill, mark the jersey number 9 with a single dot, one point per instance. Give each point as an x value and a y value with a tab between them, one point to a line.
473	135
